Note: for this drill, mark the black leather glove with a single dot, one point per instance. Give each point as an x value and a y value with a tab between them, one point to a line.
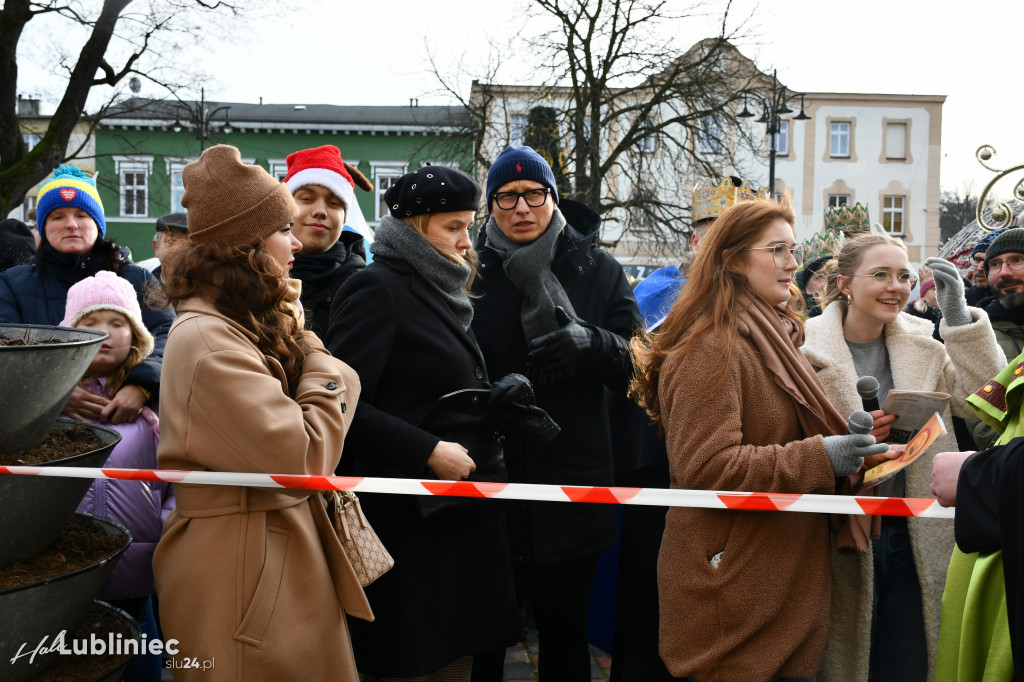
511	388
567	346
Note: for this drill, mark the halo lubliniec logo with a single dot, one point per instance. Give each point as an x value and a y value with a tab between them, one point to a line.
96	646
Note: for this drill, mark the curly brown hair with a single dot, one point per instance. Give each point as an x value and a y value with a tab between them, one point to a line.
248	286
709	300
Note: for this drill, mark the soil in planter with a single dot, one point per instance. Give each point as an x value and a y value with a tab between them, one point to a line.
4	341
81	668
82	543
58	444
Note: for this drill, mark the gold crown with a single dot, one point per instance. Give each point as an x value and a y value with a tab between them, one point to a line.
848	220
823	245
709	199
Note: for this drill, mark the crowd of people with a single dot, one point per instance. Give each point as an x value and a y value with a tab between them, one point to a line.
275	332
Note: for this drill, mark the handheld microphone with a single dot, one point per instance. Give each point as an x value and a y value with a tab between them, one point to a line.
860	421
867	386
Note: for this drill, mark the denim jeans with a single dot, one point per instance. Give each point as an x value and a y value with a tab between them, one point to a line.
898	649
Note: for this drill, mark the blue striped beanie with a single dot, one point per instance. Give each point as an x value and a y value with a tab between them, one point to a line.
69	186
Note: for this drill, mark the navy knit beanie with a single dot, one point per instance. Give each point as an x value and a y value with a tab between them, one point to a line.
519	163
1011	241
986	241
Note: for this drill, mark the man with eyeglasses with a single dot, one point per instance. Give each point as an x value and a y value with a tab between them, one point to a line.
1004	266
553	306
980	288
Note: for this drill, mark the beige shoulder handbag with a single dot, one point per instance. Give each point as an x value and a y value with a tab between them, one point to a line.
365	551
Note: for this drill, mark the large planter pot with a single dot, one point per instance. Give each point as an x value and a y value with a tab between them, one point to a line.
38	379
34	615
96	668
36	508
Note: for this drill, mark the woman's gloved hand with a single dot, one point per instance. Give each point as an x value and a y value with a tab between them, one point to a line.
949	291
511	388
847	453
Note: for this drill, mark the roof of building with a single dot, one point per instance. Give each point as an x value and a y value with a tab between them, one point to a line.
138	111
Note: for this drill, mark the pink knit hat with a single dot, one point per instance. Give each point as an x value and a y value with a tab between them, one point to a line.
107	291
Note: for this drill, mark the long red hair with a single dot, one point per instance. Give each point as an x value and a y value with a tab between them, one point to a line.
710	298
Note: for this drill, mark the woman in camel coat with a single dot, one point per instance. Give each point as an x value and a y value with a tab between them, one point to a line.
253	582
744	596
917	362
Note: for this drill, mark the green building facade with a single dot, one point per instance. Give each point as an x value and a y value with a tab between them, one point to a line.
142	147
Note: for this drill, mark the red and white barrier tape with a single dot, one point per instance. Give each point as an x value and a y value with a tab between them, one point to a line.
708	499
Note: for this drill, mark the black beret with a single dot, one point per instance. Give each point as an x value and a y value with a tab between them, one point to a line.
432	189
172	222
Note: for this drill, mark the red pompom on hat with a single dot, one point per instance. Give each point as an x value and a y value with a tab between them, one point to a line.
324	167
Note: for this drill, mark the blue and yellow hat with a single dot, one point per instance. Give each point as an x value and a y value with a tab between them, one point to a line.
69	186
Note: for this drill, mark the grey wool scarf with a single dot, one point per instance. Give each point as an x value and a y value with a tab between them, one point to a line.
528	267
395	239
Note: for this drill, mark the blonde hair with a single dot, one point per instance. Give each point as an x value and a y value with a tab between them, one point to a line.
848	260
419	223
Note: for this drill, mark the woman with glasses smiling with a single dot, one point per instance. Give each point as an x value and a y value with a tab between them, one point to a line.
888	572
743	596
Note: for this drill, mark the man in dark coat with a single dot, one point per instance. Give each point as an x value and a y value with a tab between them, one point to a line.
553	306
330	226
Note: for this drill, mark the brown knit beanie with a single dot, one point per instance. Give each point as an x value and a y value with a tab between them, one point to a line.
231	203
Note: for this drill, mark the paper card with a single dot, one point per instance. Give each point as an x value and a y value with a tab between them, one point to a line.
922	440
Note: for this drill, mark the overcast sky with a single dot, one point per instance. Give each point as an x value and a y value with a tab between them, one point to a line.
374	53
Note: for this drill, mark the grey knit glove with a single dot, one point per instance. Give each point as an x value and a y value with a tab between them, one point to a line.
949	290
847	453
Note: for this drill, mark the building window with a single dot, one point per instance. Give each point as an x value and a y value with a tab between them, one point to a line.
837	200
30	140
645	138
639	211
839	140
133	178
709	135
517	130
278	168
175	165
384	175
893	209
782	139
896	141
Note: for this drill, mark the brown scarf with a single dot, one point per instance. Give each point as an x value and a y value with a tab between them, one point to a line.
777	338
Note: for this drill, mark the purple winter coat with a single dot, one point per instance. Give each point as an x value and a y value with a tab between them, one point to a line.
140	506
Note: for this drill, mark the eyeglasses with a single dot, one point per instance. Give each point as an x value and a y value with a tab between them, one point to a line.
533	197
978	258
781	251
905	280
1015	263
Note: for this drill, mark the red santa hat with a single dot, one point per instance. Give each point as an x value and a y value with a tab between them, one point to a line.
324	167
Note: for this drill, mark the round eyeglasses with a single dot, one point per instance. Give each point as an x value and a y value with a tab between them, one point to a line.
1015	263
905	280
780	252
534	198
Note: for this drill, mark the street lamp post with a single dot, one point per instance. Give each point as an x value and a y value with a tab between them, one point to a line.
773	108
202	119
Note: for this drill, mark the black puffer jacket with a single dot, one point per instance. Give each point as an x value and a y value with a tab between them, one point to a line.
323	274
549	532
36	293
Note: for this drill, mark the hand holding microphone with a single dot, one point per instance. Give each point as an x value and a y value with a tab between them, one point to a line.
847	453
867	387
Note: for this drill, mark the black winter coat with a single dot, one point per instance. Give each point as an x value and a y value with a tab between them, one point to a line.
549	532
451	592
323	274
36	293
